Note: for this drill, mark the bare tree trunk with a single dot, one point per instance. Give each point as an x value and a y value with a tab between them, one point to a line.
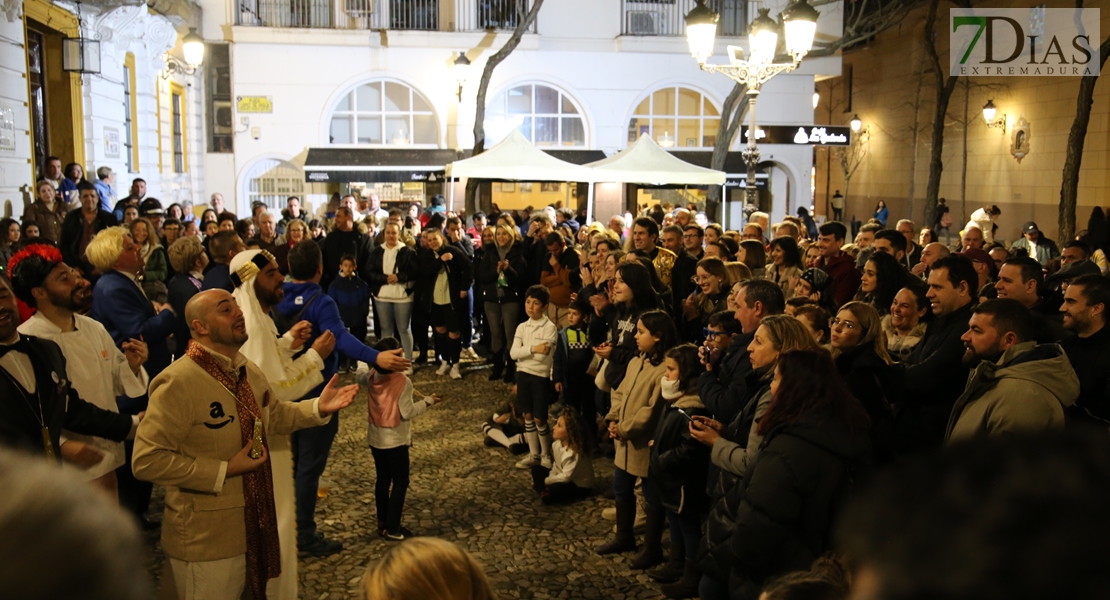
1069	188
945	86
732	113
914	143
963	167
495	59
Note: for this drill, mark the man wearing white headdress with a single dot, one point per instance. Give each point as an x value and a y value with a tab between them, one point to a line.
258	288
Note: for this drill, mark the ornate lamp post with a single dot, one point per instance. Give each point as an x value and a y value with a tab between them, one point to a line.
799	25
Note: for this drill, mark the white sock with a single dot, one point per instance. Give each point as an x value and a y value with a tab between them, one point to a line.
532	437
544	434
498	436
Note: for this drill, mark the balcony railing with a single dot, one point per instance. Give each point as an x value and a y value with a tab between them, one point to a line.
667	17
419	15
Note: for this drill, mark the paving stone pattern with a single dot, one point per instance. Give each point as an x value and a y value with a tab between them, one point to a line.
465	492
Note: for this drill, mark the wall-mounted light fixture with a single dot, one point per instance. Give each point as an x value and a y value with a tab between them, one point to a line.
816	99
989	112
80	54
462	72
193	47
856	123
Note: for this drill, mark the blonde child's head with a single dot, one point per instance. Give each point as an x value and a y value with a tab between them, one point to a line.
426	568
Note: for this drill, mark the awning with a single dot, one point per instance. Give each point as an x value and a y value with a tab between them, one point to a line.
644	162
377	165
516	159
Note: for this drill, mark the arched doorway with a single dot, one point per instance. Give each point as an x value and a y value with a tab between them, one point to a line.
271	181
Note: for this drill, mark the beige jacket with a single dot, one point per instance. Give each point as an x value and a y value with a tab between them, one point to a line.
190	431
635	409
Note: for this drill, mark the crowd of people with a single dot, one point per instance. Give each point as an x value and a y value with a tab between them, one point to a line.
743	381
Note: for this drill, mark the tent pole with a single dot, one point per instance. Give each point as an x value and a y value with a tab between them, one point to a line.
450	195
590	203
724	208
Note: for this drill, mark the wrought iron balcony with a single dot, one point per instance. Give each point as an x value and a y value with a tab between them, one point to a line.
419	15
667	17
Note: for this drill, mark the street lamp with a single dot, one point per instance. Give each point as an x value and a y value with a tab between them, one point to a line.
799	26
816	99
462	72
193	47
989	112
856	123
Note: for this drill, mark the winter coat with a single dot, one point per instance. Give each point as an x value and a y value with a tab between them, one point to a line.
723	389
786	280
352	297
1090	357
405	268
563	280
679	463
844	278
682	274
636	405
874	384
573	354
340	243
1028	389
458	274
514	274
622	335
49	221
785	507
934	377
70	237
1046	249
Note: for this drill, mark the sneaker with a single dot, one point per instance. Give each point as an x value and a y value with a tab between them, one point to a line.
408	371
455	374
443	368
546	462
397	536
469	353
319	546
609	514
526	463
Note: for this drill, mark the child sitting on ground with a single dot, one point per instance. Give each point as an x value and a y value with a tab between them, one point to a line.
571	477
501	429
569	370
533	350
352	296
678	471
389	434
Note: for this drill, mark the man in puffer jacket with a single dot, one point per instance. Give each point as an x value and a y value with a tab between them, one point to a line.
1015	385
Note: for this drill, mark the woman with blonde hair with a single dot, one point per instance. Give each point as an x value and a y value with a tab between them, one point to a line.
864	364
425	568
157	265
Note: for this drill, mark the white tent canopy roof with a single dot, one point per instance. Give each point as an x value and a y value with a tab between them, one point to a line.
516	159
645	162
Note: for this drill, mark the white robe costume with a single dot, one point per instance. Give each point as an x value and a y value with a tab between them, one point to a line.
291	380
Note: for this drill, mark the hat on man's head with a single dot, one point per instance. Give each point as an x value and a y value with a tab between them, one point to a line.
246	264
151	207
1029	227
978	255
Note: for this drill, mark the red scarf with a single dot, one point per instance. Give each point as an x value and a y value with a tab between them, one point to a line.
259	514
385	391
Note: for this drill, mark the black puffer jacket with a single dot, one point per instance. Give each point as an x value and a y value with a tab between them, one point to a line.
679	462
785	506
723	389
487	275
874	384
458	274
405	268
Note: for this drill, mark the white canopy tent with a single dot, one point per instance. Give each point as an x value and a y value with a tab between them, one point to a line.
644	162
516	159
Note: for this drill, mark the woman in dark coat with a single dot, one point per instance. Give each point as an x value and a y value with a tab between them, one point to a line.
501	275
632	295
815	436
865	366
446	274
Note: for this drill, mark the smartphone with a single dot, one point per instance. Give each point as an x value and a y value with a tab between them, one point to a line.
688	417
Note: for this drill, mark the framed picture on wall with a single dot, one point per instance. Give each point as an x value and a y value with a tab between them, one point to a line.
526	187
508	187
691	142
549	186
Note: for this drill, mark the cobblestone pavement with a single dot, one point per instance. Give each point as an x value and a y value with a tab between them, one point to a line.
467	493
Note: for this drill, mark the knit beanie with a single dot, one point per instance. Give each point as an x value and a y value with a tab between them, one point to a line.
817	279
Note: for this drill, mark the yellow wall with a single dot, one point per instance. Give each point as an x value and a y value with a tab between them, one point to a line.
885	76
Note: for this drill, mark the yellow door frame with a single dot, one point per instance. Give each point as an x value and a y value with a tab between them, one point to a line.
66	23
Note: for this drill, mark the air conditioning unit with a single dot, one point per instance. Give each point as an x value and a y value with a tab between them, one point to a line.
643	22
222	118
358	8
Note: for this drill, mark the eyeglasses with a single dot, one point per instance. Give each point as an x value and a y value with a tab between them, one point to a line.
711	335
835	323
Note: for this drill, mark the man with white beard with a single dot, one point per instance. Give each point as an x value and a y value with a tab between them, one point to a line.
258	288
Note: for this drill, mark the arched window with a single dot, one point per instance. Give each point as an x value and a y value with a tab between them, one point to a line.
545	115
676	117
383	112
272	181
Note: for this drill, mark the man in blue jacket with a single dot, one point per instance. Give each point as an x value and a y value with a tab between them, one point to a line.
121	306
306	300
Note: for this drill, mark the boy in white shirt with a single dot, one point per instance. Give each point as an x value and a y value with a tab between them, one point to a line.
533	349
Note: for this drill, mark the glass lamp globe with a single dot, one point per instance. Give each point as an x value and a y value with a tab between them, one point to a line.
800	24
989	111
763	37
701	31
193	46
